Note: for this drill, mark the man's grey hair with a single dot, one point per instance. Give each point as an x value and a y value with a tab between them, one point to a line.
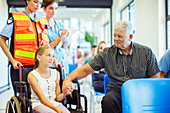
124	25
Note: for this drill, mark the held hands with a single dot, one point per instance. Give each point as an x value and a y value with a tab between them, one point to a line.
16	64
67	87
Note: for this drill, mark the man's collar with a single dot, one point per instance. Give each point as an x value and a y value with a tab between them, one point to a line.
120	51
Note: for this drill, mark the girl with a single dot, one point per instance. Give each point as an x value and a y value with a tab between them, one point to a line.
45	89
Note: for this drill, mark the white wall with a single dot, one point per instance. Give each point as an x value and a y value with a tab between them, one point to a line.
3	58
99	24
149	20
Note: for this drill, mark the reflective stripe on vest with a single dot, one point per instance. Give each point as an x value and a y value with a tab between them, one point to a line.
21	17
24	53
25	37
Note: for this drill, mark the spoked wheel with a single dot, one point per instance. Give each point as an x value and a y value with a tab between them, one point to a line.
9	108
21	101
13	106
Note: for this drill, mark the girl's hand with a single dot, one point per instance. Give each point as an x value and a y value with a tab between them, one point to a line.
59	110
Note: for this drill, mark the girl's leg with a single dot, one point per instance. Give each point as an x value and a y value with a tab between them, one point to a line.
42	109
61	106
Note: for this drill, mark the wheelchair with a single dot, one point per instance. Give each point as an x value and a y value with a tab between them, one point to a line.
21	101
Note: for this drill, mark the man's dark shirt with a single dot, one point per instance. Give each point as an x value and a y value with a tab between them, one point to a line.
140	63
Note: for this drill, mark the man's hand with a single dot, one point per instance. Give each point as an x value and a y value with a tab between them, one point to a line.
67	87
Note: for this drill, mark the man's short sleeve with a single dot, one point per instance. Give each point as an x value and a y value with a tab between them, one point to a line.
152	65
98	62
7	31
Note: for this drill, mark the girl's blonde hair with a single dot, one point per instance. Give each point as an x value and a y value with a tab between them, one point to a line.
99	45
40	51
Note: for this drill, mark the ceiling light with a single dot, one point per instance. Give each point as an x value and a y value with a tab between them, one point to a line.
61	0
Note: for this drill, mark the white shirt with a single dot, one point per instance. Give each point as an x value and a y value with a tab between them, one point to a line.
47	86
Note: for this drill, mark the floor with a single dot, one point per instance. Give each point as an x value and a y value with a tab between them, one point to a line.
85	89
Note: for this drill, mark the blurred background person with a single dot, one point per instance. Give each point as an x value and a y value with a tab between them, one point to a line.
164	65
93	49
98	76
81	59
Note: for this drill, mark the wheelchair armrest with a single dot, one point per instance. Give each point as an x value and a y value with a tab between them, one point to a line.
75	81
85	102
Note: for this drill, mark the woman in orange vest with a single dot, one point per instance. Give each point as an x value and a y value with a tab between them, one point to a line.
27	32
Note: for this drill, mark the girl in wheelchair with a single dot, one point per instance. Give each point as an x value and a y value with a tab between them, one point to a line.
45	89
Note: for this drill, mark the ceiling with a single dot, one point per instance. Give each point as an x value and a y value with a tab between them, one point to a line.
86	9
79	13
70	3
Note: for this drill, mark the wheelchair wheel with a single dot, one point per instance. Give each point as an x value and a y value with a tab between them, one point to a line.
21	101
13	106
9	108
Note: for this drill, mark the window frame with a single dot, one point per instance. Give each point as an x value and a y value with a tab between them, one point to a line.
166	25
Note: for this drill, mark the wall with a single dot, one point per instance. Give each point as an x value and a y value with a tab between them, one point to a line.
3	58
149	20
99	24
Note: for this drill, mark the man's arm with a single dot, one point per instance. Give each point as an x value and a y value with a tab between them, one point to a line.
155	76
76	74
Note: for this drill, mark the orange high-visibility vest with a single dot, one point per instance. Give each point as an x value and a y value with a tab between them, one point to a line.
28	36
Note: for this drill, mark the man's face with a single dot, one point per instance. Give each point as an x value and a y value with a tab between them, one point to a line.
121	39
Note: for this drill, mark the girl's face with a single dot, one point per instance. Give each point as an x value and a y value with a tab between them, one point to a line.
47	58
51	10
102	46
33	5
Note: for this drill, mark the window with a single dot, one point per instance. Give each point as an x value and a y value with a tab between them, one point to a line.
107	33
125	14
128	14
167	24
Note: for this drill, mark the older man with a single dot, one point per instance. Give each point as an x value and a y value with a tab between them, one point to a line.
123	61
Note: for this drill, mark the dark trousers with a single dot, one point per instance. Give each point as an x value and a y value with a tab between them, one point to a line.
111	102
99	86
15	74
